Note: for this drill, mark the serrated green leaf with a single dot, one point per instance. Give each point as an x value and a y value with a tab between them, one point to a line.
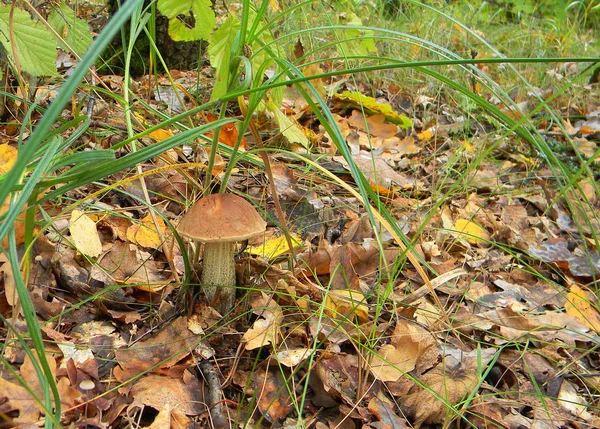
36	45
201	14
73	30
219	51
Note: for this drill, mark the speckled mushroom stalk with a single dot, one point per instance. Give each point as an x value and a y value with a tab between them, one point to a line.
218	269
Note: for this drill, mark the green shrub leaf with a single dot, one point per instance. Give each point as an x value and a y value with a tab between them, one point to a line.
219	50
35	44
200	12
73	30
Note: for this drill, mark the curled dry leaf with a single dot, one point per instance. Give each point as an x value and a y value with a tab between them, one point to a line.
384	412
441	387
412	346
266	329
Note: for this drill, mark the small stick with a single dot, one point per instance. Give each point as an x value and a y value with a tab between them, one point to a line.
215	393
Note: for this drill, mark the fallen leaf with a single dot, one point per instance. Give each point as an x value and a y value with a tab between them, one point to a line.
345	304
8	157
161	351
384	413
84	234
374	125
412	346
293	357
144	233
583	305
449	384
229	133
472	232
274	247
160	134
272	389
266	329
370	104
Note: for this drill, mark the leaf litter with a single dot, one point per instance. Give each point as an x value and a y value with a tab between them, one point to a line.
351	331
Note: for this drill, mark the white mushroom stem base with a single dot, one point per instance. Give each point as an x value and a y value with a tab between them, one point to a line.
218	275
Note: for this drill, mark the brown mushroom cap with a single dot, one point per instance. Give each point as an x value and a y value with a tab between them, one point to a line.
220	218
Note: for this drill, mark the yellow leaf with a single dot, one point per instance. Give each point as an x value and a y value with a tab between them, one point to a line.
84	234
160	134
289	128
144	233
580	304
369	103
274	247
346	303
426	134
472	232
8	157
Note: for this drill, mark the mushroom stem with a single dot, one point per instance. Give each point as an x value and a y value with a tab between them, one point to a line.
218	275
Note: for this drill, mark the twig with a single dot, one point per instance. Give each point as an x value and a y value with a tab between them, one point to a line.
215	393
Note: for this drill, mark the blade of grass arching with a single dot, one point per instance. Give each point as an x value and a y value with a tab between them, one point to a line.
42	368
27	151
272	83
366	192
45	376
130	160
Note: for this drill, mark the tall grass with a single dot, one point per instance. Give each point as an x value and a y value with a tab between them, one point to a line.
40	174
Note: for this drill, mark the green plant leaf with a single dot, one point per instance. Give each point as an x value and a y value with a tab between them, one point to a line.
73	30
219	50
199	11
371	105
361	41
36	46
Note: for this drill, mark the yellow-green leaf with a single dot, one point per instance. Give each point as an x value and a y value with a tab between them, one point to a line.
373	106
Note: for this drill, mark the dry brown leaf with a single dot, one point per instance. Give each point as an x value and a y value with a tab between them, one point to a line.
163	350
266	330
293	357
374	125
412	346
272	389
384	413
450	384
170	396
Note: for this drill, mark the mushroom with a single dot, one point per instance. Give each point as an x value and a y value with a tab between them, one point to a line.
218	221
